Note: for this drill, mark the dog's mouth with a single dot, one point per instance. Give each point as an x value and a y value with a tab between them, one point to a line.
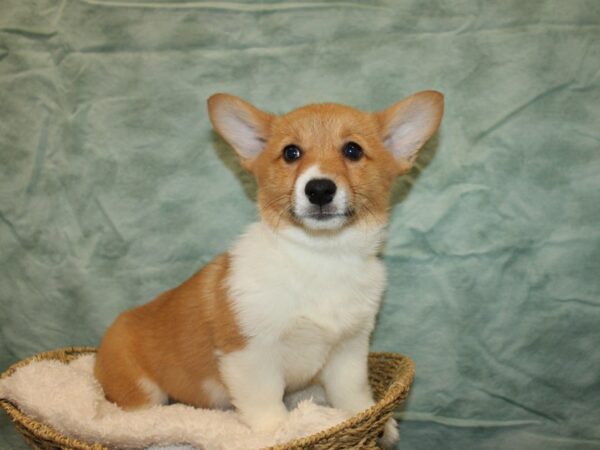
325	215
323	218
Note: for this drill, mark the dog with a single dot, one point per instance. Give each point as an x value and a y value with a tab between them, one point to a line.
294	301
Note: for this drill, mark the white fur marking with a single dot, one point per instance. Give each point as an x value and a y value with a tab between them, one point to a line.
297	297
302	206
155	394
216	392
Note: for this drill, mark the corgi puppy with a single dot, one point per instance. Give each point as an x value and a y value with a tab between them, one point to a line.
294	301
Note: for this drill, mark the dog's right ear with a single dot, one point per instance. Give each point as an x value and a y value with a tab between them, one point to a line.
243	126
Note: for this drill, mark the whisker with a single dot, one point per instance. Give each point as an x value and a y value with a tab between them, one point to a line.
364	206
280	216
277	199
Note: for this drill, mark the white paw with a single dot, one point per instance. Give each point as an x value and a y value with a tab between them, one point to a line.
390	435
267	423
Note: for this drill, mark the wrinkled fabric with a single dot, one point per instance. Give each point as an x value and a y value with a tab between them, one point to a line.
113	187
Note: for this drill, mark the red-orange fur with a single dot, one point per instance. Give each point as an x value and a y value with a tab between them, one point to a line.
170	341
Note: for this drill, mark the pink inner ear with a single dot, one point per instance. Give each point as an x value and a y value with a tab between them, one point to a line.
242	125
242	135
406	139
411	123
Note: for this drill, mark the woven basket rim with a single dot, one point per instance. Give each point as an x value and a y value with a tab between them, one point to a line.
395	392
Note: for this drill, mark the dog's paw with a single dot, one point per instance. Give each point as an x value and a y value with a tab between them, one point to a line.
390	436
267	423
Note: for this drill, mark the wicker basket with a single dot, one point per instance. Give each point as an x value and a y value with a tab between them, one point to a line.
390	376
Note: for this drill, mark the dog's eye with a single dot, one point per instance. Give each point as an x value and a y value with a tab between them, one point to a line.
291	153
352	151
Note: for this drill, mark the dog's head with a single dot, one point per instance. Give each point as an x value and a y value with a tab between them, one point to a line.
326	167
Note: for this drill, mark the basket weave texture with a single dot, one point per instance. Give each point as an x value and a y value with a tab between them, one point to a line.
390	375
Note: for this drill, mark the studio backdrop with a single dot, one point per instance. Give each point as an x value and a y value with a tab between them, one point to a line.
114	187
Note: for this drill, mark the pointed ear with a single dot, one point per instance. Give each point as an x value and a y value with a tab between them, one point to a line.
243	126
408	124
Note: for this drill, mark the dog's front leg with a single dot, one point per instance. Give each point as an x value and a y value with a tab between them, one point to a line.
346	382
344	376
255	382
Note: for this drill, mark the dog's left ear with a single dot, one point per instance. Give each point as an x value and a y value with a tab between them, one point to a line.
408	124
243	126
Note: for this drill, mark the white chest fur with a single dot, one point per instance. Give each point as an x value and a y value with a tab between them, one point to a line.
296	297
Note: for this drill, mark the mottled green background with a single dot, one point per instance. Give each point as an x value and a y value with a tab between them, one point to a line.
113	186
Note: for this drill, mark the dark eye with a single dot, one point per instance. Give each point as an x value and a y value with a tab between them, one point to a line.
291	153
352	151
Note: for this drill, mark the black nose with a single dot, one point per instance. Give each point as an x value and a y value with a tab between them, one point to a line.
320	191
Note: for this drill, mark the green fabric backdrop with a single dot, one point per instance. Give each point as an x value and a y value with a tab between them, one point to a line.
113	186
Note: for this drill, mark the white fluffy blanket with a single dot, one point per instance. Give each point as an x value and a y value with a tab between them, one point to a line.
67	397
